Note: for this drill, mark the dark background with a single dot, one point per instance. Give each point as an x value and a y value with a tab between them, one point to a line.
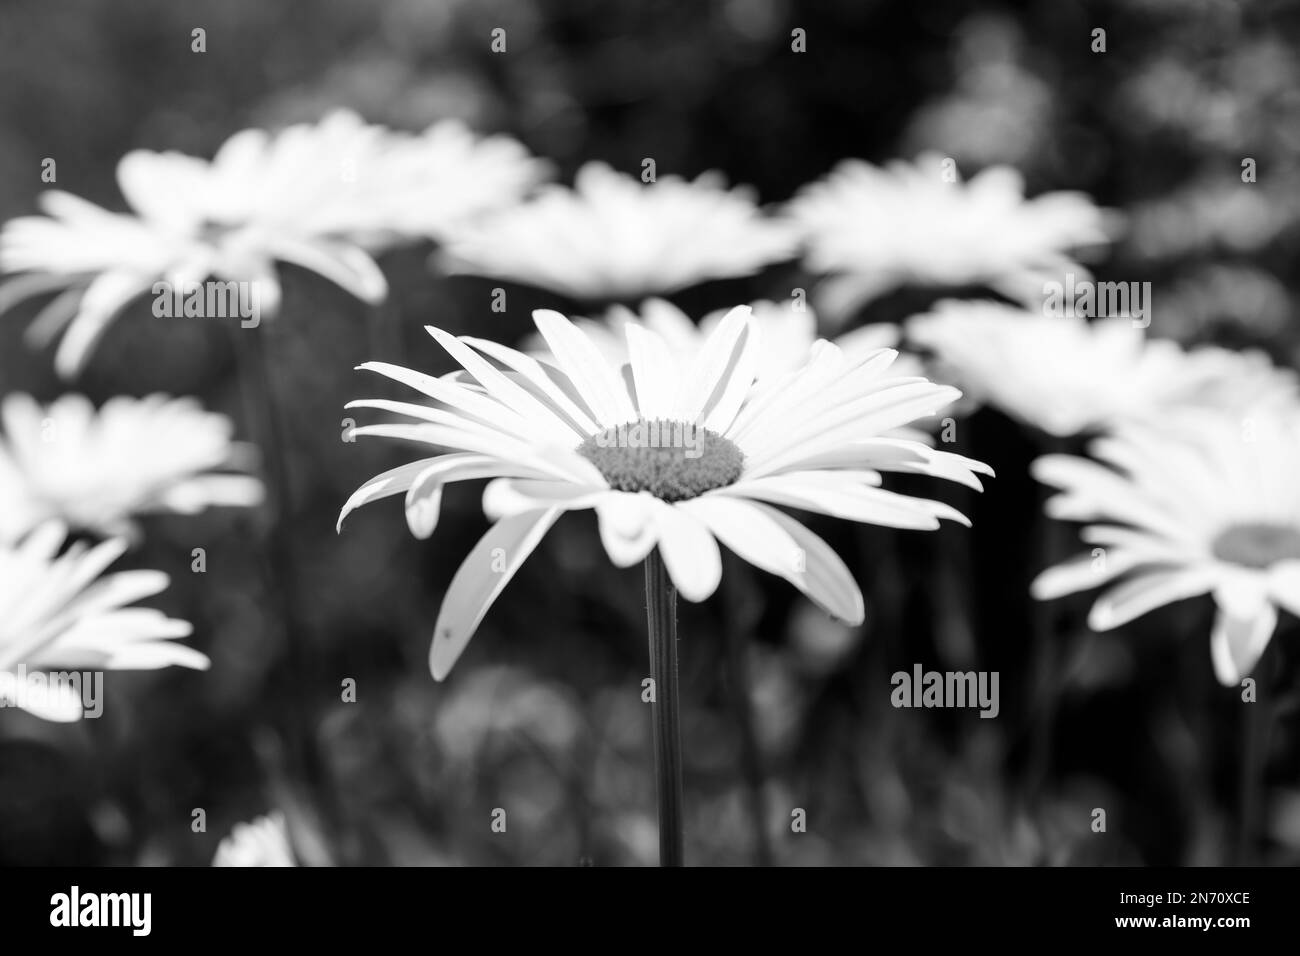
542	717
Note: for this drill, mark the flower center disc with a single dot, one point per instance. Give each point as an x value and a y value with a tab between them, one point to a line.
671	460
1258	545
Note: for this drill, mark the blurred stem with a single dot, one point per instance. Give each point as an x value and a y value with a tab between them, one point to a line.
954	608
1047	669
738	687
886	629
661	622
1256	724
256	377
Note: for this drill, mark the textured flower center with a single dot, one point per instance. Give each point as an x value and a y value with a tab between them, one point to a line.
671	460
1258	544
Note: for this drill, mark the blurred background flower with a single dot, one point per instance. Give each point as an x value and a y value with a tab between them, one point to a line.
1210	509
261	842
263	198
785	334
61	612
871	230
96	470
438	182
1067	375
614	238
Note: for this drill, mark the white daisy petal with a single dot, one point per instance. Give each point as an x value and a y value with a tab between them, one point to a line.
541	383
1084	573
23	287
346	266
601	389
395	481
53	318
1096	491
194	495
670	323
1284	585
482	576
627	527
845	497
511	496
462	438
533	412
63	612
106	295
1146	592
653	373
780	545
689	551
712	375
423	502
60	703
469	401
487	423
1239	639
897	404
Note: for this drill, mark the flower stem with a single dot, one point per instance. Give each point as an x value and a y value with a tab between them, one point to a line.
736	671
280	570
661	622
1049	658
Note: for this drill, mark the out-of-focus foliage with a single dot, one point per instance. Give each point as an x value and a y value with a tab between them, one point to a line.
543	717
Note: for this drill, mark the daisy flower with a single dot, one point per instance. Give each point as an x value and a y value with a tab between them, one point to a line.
96	261
1208	506
440	181
1067	375
61	612
96	470
341	177
299	196
263	842
613	237
669	454
872	230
